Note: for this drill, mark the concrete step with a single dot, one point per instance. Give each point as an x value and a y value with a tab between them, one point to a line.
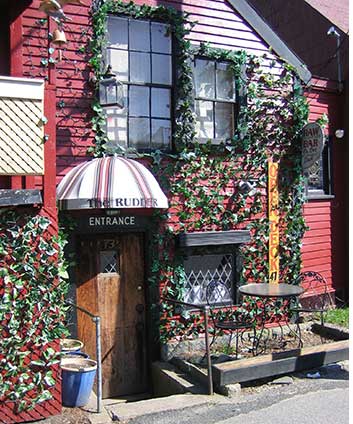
122	412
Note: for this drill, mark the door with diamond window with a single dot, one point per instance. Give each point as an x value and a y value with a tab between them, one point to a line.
111	285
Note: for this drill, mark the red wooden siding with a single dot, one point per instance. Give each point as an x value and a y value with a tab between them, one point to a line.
325	245
217	23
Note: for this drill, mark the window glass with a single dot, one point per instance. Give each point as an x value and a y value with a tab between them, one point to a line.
139	35
161	133
201	271
161	39
204	78
139	133
215	97
223	120
161	69
225	87
116	127
160	98
118	32
139	101
140	67
108	261
119	60
140	55
204	119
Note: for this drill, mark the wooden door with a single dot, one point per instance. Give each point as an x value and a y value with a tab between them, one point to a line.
111	285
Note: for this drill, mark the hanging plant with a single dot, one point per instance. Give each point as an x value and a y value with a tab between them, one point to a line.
33	281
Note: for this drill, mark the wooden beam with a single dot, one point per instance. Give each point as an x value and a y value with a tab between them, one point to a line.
19	197
213	238
281	363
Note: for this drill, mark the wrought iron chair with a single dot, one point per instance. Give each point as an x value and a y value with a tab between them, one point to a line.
225	318
315	299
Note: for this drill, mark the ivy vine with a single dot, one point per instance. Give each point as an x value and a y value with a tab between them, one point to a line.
203	180
33	281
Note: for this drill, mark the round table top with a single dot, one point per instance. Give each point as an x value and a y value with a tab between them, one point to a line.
271	290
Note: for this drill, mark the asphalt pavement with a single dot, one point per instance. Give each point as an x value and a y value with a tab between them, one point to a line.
318	396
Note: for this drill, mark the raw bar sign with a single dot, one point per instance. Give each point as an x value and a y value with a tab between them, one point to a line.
312	144
273	216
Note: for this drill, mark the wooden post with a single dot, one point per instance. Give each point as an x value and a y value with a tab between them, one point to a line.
273	216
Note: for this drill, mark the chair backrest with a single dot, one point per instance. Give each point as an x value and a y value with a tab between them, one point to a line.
220	300
218	294
316	294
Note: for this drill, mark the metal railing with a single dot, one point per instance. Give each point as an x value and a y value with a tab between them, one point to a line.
205	309
96	319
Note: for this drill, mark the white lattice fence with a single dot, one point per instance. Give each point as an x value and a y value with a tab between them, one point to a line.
21	126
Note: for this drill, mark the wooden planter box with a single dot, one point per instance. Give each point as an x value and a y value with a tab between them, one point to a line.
279	363
274	364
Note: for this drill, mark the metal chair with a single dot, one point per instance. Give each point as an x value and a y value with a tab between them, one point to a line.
223	314
314	300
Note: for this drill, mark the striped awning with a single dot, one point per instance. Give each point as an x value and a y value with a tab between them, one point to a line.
110	183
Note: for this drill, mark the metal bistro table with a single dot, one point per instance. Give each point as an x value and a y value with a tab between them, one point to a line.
265	292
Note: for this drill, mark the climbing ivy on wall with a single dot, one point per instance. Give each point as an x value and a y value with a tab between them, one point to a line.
203	180
32	287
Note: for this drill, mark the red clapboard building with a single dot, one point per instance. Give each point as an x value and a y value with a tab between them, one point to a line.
151	215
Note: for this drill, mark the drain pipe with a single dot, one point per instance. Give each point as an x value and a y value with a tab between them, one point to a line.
97	321
333	31
206	310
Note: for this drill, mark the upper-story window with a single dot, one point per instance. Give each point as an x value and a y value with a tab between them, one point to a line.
215	100
140	54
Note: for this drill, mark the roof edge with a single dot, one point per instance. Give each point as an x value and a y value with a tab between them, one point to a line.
267	33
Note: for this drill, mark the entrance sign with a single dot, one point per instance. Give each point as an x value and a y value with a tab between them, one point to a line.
273	216
110	224
312	144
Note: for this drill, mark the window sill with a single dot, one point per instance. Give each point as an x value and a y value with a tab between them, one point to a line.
319	196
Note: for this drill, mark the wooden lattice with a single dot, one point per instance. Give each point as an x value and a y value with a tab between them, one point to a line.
21	137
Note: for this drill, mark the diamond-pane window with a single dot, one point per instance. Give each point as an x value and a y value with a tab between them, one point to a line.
201	270
108	261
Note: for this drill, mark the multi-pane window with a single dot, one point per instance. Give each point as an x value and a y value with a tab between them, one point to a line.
215	100
140	53
204	271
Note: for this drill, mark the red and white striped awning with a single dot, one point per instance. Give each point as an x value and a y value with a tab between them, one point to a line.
110	183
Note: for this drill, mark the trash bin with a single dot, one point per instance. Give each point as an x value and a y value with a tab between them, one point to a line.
77	380
69	354
71	345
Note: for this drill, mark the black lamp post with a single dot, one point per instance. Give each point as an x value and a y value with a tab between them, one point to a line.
111	90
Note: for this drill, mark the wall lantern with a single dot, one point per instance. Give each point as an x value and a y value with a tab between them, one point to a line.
111	90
